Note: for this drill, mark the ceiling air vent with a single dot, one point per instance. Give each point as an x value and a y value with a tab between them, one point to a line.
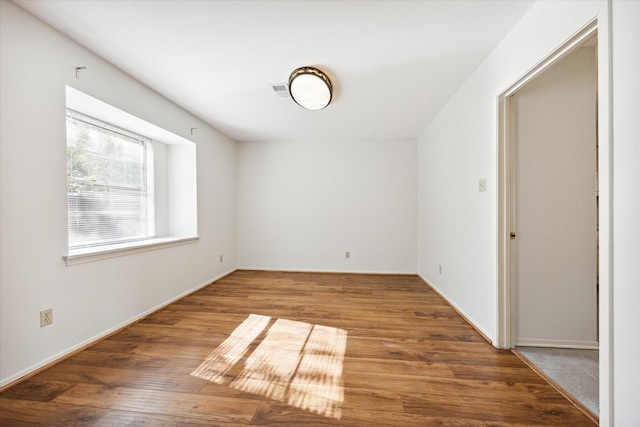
281	90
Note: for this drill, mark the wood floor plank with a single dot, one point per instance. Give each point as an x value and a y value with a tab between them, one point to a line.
165	379
492	410
19	413
274	414
277	414
193	350
137	419
40	389
406	358
397	367
222	409
126	360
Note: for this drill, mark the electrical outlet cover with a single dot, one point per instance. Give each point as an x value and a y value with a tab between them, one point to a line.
46	317
482	184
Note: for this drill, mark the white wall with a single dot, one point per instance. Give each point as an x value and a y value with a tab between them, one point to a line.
459	146
555	205
457	224
161	188
302	205
182	189
626	212
89	299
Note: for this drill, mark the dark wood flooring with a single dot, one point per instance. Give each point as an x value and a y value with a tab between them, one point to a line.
409	360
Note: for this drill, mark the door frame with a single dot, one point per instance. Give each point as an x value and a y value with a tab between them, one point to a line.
505	321
506	187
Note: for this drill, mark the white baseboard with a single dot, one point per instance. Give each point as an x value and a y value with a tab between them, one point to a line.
537	342
298	270
465	315
90	341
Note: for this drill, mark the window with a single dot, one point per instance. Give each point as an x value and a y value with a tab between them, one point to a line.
109	183
131	185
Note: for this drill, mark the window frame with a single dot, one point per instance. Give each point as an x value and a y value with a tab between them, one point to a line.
175	194
146	197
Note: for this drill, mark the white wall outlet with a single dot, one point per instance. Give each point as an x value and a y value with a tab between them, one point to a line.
221	258
439	269
482	184
46	317
347	254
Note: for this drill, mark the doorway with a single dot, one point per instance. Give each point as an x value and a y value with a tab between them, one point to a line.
554	206
548	213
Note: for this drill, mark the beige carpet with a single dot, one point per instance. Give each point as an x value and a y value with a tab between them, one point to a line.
576	371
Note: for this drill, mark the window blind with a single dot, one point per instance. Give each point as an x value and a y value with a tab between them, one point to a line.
107	183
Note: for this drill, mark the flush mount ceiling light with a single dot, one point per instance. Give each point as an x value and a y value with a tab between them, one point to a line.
310	88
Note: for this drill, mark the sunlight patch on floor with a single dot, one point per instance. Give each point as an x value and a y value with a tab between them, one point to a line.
222	359
296	362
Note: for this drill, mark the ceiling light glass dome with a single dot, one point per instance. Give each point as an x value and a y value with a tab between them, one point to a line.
310	88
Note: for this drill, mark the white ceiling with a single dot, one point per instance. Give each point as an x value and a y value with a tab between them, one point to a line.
393	64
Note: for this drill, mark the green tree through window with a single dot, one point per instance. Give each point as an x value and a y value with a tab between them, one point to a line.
107	183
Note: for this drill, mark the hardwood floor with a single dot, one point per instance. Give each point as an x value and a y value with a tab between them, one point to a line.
334	349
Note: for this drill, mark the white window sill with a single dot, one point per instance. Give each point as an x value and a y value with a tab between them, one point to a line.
84	255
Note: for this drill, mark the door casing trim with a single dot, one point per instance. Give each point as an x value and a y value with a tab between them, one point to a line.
504	334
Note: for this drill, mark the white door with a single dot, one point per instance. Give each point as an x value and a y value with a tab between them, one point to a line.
555	179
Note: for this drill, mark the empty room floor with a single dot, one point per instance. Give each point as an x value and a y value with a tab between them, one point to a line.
308	349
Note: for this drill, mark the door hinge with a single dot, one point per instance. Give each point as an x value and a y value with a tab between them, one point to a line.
513	235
